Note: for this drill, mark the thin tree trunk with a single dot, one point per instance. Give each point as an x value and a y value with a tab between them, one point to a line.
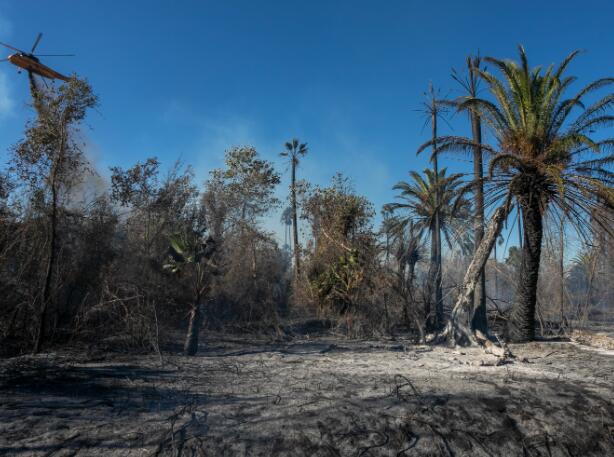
583	314
436	267
191	341
386	291
522	319
297	254
496	269
51	259
52	255
432	285
562	272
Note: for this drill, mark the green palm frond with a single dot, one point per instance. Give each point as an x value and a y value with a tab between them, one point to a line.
417	204
543	138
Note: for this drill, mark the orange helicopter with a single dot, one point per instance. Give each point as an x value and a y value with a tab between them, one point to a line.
30	62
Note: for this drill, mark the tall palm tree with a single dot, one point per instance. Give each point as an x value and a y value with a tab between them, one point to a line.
428	199
434	108
294	151
470	85
286	219
544	157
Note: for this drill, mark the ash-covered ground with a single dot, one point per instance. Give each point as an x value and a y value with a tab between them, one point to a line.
318	397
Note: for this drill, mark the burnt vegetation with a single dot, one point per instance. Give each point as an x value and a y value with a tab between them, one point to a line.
146	263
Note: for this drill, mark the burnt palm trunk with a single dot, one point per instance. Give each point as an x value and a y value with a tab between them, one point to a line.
522	319
297	254
435	271
191	341
562	272
196	317
202	287
432	321
480	321
411	273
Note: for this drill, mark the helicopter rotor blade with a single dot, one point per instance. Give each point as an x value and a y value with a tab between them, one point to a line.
38	38
12	47
54	55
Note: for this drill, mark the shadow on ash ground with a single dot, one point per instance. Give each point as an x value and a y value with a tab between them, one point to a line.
320	397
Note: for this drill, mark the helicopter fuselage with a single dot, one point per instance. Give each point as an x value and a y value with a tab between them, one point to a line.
31	63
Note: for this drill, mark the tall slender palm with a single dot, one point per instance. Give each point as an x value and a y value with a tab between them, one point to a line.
433	108
294	151
470	85
543	156
429	199
286	219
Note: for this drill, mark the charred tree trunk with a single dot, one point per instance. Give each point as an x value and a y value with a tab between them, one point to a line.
52	254
479	321
432	285
51	260
435	267
562	273
297	253
522	319
191	341
457	331
201	289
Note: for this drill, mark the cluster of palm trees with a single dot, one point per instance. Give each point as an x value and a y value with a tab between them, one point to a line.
543	157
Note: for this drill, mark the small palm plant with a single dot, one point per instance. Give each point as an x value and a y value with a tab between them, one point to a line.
190	255
544	156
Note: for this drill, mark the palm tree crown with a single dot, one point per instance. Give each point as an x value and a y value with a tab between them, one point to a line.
419	203
294	149
540	145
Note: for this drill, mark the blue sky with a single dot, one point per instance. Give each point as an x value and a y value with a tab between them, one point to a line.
188	79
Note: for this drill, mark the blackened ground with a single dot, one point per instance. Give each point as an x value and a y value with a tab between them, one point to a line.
319	397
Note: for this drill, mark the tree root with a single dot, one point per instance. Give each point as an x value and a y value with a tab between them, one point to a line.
461	335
